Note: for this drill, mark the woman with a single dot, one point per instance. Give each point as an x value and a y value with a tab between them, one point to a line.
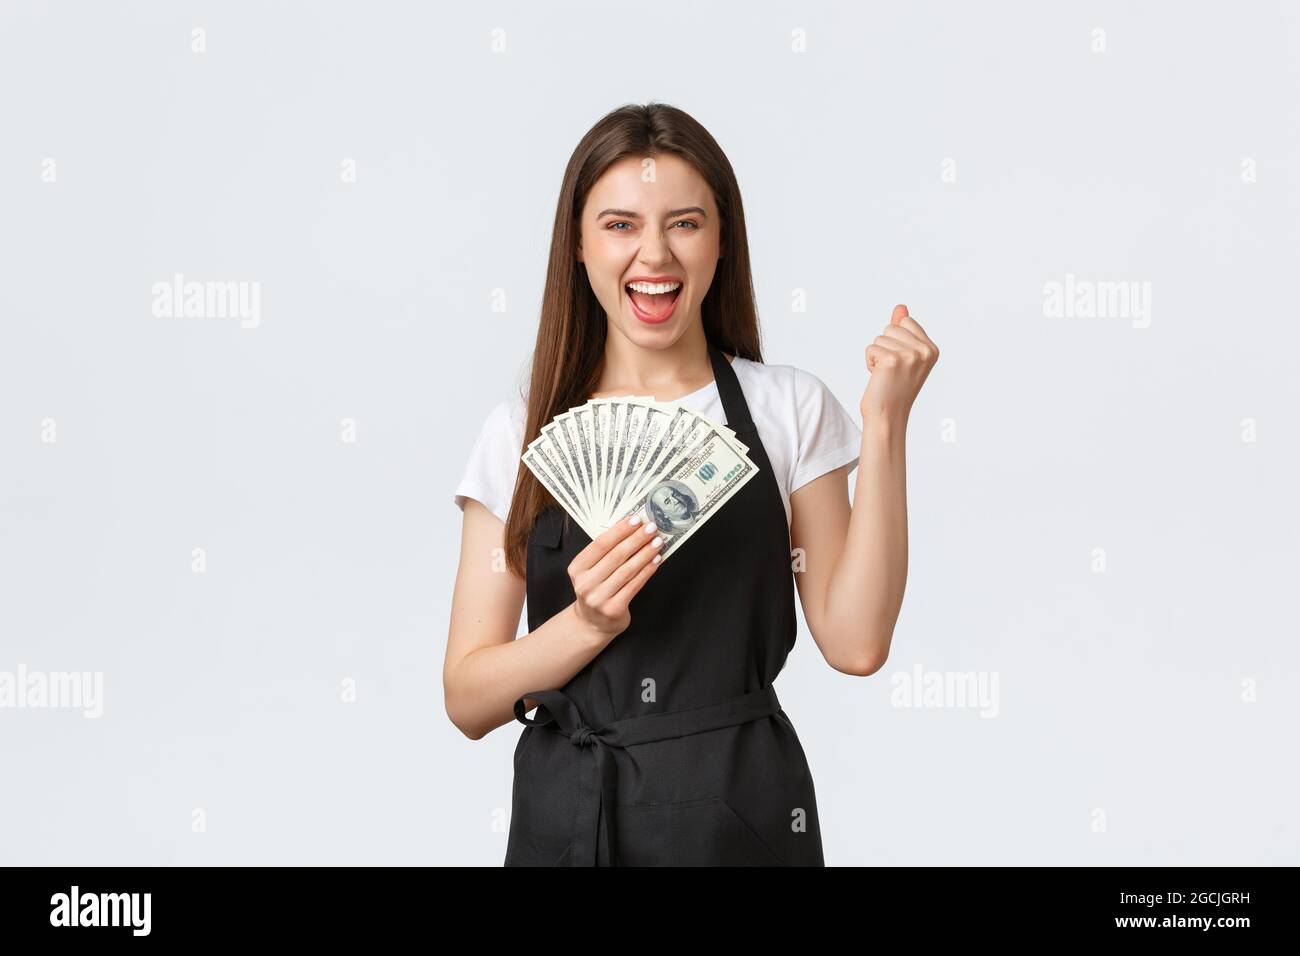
658	737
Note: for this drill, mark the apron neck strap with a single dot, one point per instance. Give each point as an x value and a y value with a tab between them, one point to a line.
733	399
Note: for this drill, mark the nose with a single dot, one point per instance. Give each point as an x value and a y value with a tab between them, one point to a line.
654	248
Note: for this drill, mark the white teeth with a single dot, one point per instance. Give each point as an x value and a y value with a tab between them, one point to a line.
654	288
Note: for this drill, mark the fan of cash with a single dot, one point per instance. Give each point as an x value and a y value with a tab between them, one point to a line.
613	457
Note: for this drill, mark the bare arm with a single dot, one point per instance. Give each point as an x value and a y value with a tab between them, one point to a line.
855	557
486	668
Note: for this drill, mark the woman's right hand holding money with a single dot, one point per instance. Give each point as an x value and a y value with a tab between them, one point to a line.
608	573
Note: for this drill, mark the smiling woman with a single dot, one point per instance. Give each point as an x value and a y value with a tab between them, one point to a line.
637	229
658	737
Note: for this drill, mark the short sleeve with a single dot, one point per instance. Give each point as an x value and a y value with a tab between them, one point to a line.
827	436
493	464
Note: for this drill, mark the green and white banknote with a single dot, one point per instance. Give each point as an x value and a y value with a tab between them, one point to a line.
613	457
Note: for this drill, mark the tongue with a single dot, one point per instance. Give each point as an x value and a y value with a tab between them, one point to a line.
656	306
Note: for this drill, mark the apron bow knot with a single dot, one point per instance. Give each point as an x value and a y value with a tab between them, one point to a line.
595	841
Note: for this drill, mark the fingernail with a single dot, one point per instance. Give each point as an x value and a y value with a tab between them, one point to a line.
655	559
656	542
651	528
636	520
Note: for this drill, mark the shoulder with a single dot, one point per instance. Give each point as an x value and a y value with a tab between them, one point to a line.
811	430
507	416
794	385
503	422
763	375
493	462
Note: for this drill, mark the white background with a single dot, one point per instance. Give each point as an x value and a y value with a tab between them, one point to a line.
1125	697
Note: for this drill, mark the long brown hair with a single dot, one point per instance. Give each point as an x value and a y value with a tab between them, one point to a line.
571	334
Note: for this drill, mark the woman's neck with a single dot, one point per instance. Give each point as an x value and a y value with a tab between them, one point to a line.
667	374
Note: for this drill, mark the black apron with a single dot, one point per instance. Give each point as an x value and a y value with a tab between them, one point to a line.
670	747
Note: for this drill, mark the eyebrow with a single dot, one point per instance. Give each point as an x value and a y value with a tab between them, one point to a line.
629	214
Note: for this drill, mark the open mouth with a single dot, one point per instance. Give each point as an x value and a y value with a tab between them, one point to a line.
653	301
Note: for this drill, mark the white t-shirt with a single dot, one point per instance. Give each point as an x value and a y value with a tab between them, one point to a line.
805	431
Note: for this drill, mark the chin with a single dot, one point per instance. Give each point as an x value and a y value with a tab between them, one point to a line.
651	338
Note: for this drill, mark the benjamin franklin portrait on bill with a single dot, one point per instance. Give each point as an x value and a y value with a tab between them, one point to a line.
672	506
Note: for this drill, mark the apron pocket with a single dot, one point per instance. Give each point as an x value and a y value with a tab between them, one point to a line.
701	832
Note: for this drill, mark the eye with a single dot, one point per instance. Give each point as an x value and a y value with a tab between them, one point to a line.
681	222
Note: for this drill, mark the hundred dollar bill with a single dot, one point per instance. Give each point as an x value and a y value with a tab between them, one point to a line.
643	449
559	488
682	433
700	480
566	436
630	438
600	460
551	451
609	418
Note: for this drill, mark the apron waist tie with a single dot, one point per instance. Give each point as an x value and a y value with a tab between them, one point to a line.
598	791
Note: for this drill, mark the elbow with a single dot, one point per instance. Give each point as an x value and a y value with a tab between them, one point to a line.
463	704
859	649
469	730
875	651
869	656
459	718
458	723
863	666
873	664
472	733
